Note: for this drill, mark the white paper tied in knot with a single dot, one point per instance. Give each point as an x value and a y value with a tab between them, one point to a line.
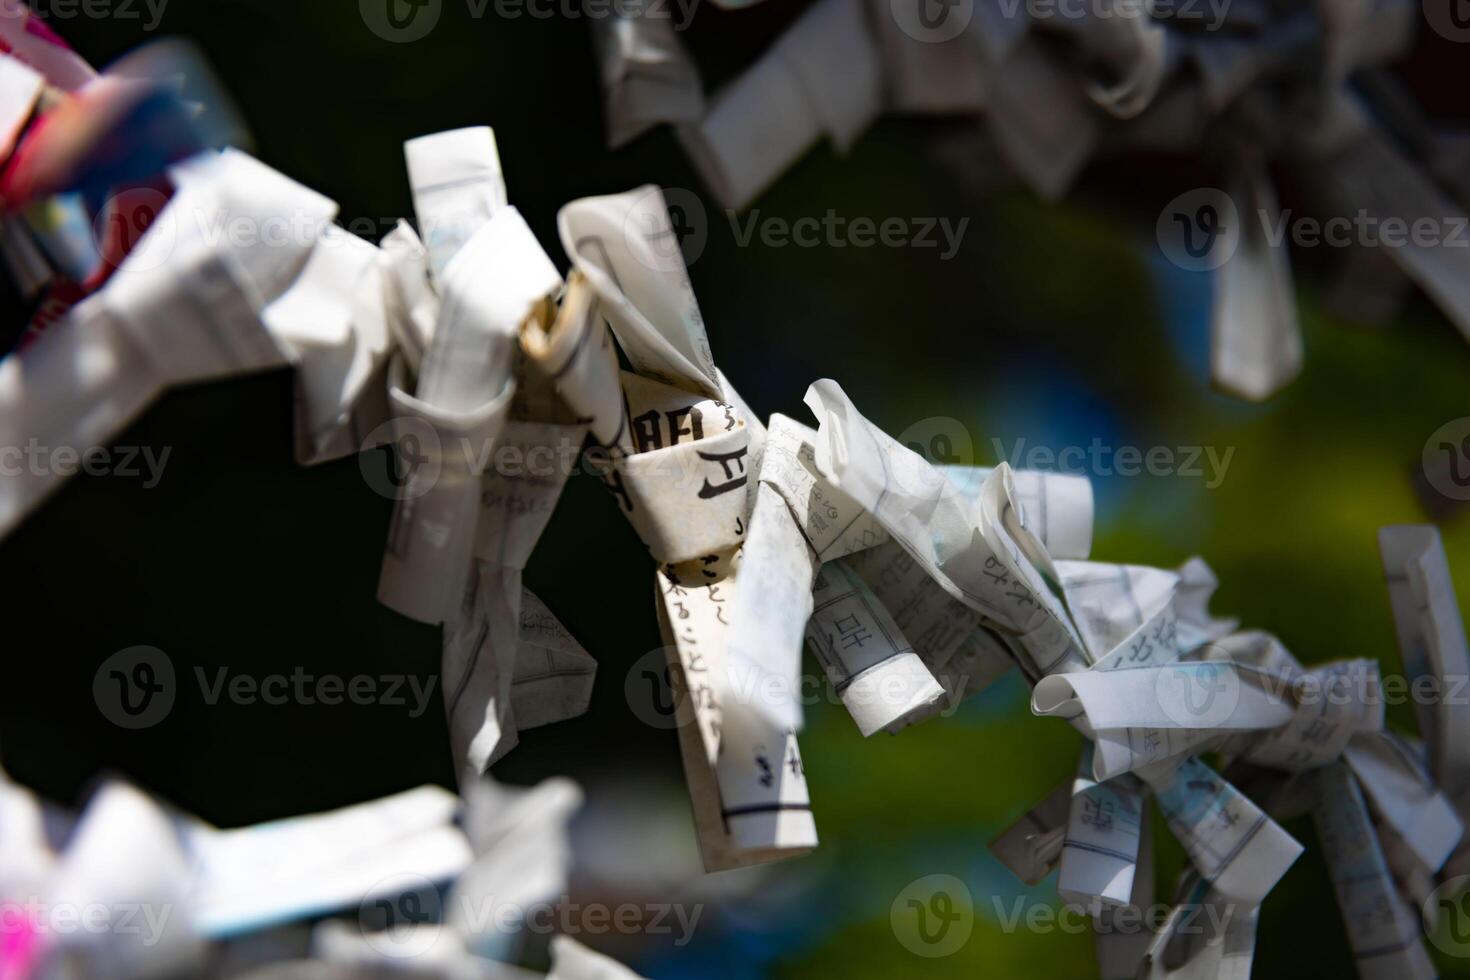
1141	716
833	524
688	500
1332	704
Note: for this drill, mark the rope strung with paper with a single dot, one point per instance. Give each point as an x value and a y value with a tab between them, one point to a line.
914	585
1038	90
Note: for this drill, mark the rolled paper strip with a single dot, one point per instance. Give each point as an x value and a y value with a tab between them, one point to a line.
940	625
881	680
457	189
1100	851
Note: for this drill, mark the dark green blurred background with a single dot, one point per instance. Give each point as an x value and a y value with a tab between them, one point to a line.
1056	324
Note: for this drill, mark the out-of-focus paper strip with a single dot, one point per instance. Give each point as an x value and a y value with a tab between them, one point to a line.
457	189
822	78
1383	932
1432	642
1256	340
1032	846
304	866
1207	936
647	74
